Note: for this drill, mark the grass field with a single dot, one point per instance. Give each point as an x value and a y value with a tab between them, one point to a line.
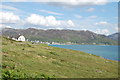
29	60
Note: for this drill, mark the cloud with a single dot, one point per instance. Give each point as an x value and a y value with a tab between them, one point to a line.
90	10
70	2
93	16
4	26
41	20
78	16
117	29
102	31
116	18
105	24
8	17
102	23
94	1
70	23
50	12
16	0
8	8
77	3
50	21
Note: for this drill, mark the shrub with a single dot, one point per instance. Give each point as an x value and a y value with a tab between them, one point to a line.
23	49
53	53
13	75
45	76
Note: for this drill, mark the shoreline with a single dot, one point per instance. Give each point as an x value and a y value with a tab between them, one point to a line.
83	44
87	52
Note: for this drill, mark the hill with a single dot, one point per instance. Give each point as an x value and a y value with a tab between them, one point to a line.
30	60
61	36
115	36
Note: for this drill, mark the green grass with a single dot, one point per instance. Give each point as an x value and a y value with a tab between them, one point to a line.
28	60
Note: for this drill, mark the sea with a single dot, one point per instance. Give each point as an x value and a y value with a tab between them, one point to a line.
105	51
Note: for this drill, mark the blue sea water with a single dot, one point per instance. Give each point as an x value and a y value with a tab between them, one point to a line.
105	51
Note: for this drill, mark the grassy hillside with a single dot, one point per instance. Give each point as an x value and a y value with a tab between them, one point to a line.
28	60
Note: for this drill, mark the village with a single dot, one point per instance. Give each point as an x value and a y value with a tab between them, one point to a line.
53	43
22	38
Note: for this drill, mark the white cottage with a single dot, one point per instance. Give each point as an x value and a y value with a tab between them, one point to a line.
19	38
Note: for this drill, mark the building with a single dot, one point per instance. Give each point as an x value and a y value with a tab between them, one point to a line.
18	38
21	38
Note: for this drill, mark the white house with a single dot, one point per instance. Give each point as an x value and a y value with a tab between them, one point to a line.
21	38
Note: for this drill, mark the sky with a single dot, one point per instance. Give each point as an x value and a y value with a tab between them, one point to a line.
99	16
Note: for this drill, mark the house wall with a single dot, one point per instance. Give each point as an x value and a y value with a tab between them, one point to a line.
21	38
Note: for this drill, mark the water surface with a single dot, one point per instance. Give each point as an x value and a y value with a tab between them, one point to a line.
105	51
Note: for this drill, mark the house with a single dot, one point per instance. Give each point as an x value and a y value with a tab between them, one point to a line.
21	38
18	38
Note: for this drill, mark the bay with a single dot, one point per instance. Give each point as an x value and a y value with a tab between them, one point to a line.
105	51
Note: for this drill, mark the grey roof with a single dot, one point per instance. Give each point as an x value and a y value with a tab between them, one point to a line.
15	36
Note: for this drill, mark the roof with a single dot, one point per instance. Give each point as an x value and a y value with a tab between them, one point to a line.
15	36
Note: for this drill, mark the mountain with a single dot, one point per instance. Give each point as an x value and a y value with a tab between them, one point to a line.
25	60
114	36
61	36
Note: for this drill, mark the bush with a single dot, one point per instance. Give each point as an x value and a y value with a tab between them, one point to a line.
11	74
53	53
17	74
23	49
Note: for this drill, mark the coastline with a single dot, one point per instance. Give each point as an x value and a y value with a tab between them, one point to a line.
91	51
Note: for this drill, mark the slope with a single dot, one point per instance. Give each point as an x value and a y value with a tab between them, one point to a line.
29	60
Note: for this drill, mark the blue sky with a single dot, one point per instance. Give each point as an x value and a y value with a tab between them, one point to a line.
101	18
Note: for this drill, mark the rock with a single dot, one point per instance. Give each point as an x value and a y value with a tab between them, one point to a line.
98	71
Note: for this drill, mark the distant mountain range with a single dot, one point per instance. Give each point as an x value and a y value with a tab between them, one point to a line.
61	36
115	36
